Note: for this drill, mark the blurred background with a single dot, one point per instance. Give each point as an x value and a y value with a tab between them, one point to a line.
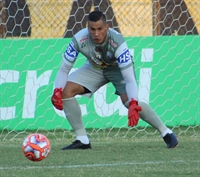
63	18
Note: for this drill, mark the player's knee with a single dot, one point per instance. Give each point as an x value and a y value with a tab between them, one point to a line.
126	104
72	89
142	104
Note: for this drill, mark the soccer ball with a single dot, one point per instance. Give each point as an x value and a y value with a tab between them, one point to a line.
36	147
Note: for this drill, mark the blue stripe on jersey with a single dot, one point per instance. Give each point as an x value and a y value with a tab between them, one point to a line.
71	52
124	57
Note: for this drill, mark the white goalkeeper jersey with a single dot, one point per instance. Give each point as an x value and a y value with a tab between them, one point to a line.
113	52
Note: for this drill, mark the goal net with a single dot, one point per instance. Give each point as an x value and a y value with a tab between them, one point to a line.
163	36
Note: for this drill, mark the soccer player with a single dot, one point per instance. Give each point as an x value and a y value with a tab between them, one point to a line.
108	60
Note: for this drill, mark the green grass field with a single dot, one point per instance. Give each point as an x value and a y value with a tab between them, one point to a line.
144	155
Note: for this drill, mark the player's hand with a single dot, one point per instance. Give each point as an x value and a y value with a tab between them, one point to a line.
133	116
56	98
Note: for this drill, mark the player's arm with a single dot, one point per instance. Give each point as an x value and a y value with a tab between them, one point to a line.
132	93
69	58
131	85
125	63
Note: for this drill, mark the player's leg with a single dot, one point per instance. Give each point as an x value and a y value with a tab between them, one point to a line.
73	114
85	80
147	114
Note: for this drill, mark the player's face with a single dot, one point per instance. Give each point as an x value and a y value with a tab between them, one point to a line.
98	31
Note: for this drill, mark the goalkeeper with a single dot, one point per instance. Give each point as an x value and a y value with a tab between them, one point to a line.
108	60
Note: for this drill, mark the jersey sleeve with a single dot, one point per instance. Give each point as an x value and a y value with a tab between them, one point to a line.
125	63
62	75
131	84
71	52
69	58
123	56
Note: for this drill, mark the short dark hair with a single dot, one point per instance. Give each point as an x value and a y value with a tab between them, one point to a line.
95	16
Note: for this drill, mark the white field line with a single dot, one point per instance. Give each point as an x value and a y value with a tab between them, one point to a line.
100	165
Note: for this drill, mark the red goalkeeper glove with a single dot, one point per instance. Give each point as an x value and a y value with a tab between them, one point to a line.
56	98
133	116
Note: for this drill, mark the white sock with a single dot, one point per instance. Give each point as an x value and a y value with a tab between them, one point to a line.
73	114
166	131
83	139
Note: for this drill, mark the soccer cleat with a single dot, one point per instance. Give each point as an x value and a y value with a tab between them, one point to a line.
77	145
171	140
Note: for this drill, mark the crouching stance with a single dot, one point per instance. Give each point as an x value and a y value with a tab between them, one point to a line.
108	60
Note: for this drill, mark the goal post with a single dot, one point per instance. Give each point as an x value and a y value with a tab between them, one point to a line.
167	62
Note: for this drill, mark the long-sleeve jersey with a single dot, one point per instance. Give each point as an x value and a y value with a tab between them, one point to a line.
114	52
